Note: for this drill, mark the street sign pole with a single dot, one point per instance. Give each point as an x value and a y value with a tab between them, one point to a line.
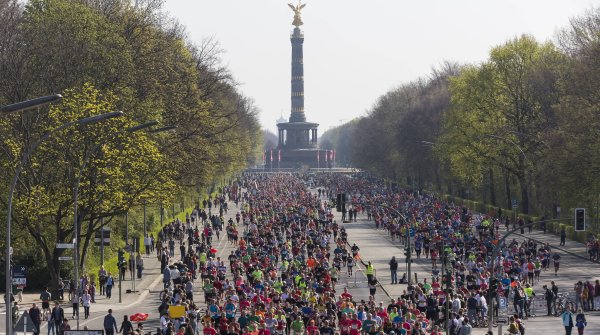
102	241
120	282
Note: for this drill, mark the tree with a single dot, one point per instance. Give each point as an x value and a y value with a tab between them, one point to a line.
112	168
573	179
501	111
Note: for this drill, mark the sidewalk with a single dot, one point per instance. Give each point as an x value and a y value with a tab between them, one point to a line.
150	276
574	248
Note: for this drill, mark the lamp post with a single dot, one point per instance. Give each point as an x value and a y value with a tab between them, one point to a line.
13	108
19	168
30	104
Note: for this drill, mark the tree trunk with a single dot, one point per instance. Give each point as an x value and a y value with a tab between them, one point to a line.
524	194
492	188
86	244
50	257
438	182
507	189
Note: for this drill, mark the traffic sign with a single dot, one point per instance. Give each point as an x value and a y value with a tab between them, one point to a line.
19	281
502	303
65	258
515	204
19	275
19	271
103	234
412	232
64	246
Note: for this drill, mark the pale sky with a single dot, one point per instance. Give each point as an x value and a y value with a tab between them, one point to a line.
355	51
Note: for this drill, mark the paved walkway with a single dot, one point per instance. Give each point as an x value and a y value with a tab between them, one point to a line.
572	247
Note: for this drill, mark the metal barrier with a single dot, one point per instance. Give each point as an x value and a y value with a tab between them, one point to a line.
356	282
355	279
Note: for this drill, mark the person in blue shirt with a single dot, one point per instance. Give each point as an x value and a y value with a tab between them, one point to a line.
110	324
567	320
230	310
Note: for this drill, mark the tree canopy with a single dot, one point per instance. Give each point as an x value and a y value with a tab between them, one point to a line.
525	119
104	56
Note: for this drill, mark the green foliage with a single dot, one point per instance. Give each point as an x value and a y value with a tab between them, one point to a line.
103	57
521	125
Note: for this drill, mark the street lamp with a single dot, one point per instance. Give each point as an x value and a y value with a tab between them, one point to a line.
19	168
86	159
29	104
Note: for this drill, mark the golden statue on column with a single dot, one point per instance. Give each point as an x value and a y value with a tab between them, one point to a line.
297	11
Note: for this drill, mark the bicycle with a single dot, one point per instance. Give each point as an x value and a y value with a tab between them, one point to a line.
480	321
561	303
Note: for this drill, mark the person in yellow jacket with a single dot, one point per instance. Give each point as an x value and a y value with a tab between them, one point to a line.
370	270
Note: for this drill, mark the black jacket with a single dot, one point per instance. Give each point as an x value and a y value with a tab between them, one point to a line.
393	264
57	315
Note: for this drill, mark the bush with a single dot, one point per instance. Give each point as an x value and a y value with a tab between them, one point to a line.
570	232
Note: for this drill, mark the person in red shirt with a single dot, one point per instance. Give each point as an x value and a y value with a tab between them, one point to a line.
262	330
355	325
209	330
345	324
346	294
223	326
382	313
312	329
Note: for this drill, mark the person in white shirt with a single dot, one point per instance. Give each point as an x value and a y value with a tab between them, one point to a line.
175	274
86	299
483	304
455	305
164	322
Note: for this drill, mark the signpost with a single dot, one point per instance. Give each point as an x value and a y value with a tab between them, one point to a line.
19	276
102	235
502	313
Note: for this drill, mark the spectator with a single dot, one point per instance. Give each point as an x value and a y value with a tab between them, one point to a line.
110	324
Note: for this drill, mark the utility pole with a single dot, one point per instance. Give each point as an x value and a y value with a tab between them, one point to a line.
144	218
101	241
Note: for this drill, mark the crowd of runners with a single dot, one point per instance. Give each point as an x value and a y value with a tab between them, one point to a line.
289	256
458	244
289	252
